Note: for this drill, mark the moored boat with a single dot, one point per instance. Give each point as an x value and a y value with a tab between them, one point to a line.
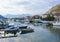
28	30
56	24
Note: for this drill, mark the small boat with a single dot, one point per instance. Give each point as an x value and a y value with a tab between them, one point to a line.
23	27
26	21
45	22
28	30
56	24
19	25
12	30
39	22
42	22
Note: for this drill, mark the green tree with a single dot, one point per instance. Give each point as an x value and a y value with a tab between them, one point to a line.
49	18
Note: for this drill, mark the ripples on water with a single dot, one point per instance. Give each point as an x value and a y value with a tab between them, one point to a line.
42	33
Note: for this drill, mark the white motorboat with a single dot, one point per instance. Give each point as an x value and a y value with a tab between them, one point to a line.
45	22
56	24
42	22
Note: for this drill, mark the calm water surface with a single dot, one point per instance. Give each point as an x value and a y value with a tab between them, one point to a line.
41	33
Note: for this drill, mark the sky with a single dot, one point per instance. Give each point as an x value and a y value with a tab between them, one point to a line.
26	6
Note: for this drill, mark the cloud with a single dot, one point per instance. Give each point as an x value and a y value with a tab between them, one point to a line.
26	6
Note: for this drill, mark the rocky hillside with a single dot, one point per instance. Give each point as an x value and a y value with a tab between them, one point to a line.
53	10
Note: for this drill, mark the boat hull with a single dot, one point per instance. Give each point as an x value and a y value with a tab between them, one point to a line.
56	24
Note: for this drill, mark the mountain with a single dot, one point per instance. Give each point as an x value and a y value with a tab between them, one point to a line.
17	16
2	17
55	9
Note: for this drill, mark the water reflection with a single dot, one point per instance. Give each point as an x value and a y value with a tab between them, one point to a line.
54	30
42	33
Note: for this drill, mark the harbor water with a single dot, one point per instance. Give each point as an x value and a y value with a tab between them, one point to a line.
42	33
